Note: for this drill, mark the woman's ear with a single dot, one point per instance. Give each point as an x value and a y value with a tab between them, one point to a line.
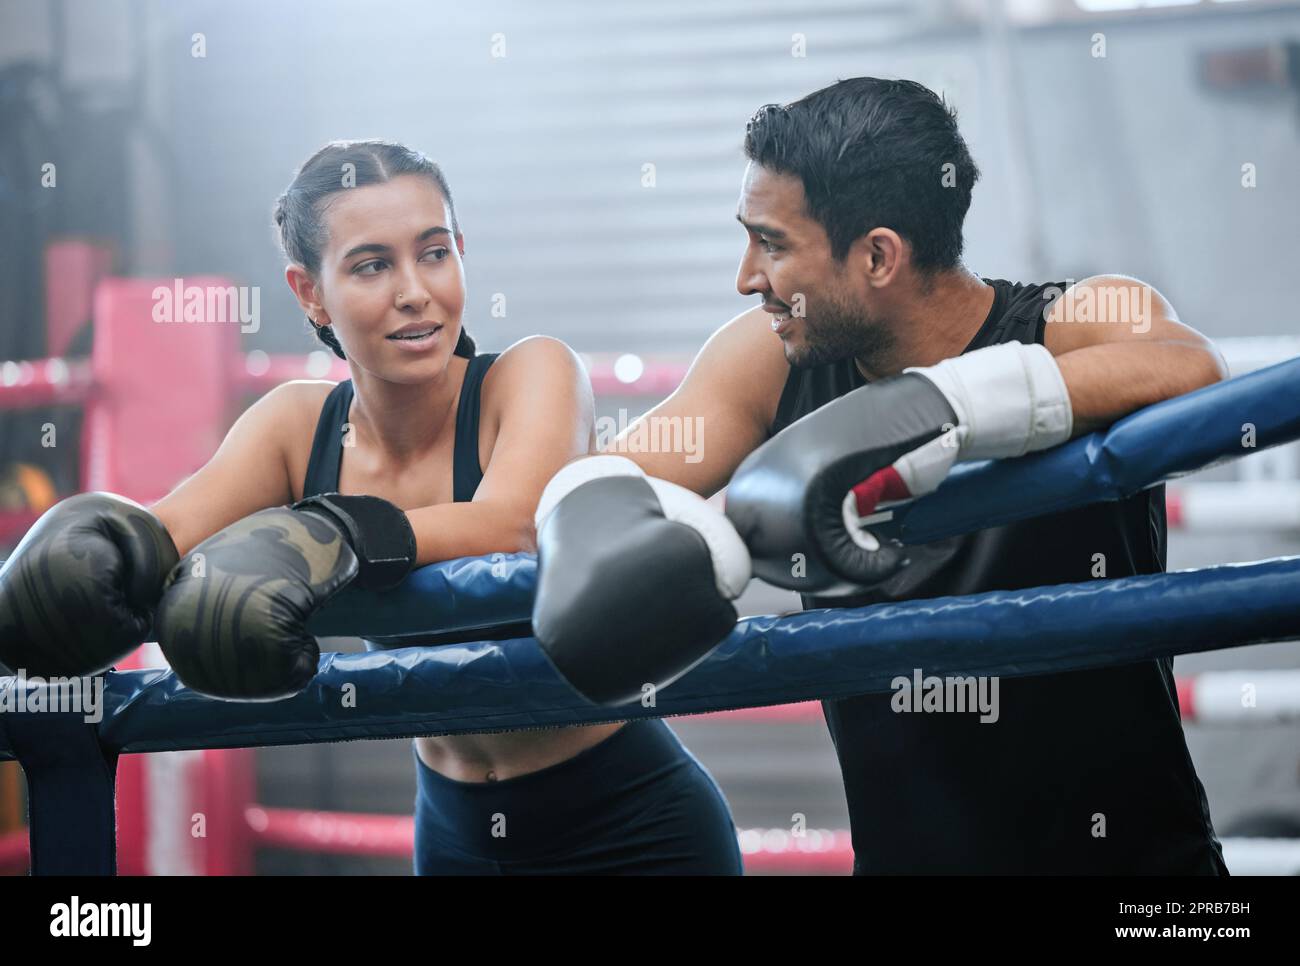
307	292
460	244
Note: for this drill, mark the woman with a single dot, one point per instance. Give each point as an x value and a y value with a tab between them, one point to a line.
465	443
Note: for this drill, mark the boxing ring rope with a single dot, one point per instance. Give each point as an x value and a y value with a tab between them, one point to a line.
477	686
56	381
471	688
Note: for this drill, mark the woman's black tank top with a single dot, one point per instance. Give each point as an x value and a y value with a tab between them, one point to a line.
327	446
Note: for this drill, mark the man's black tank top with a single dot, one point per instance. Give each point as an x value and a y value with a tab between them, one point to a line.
1083	772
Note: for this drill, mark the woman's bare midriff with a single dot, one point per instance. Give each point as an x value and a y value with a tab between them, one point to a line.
496	757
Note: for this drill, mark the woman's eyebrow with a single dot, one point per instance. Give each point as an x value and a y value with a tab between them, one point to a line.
375	248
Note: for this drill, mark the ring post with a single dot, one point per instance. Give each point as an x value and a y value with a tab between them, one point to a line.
70	783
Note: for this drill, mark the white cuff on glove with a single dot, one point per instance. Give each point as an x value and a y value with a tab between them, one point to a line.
573	475
1010	399
732	567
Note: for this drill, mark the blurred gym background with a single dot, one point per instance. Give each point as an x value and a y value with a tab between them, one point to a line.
593	151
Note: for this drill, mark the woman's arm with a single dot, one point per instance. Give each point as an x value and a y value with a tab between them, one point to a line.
541	401
248	473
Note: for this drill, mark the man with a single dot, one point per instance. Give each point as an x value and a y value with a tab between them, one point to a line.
853	203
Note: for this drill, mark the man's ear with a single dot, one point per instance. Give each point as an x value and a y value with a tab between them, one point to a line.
877	256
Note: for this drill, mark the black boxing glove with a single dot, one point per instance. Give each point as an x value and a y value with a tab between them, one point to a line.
803	501
233	617
78	593
636	578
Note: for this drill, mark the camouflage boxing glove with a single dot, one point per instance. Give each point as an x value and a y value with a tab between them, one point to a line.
78	593
233	617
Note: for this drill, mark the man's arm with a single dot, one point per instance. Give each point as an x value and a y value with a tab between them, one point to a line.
722	409
1112	345
1120	346
623	532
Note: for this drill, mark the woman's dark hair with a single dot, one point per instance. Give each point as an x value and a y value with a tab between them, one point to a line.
873	153
338	166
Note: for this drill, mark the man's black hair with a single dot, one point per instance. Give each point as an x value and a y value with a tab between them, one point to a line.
873	153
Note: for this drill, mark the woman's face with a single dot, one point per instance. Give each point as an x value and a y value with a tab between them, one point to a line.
391	278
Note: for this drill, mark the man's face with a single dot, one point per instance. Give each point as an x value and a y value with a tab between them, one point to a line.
819	309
